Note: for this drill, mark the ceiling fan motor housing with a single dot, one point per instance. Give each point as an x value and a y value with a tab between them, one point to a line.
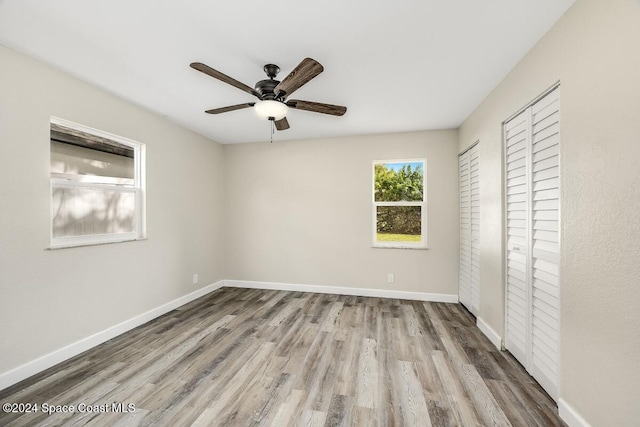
265	88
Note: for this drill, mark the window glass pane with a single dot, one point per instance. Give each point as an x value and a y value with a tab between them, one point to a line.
75	160
399	223
81	211
399	181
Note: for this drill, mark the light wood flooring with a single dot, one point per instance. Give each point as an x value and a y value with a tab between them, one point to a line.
244	357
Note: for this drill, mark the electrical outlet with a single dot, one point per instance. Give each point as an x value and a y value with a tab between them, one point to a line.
195	279
391	278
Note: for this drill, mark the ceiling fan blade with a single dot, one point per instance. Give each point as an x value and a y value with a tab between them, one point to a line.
223	77
230	108
282	124
317	107
305	71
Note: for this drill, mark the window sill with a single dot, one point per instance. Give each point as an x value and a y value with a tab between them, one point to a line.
78	245
418	248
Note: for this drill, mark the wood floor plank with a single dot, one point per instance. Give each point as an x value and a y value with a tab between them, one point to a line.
485	403
442	327
413	405
389	412
311	418
338	413
505	397
289	310
364	417
412	324
284	415
319	376
440	414
247	371
274	396
367	378
329	323
348	364
252	357
463	410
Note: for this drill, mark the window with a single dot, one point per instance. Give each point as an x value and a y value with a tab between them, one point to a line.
97	186
399	204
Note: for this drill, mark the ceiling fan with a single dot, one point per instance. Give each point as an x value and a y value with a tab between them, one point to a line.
272	94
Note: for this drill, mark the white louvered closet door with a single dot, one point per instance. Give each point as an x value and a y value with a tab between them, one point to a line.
469	276
532	207
517	194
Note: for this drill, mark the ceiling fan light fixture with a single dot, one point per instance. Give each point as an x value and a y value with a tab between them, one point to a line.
269	108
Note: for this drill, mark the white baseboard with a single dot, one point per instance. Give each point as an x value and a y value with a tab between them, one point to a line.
38	365
493	336
570	415
381	293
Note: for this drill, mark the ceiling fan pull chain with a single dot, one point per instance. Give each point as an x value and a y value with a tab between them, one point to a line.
272	131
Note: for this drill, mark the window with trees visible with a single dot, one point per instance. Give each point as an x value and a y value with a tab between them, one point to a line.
399	203
97	183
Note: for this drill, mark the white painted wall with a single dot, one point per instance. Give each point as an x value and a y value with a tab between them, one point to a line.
49	299
594	51
300	212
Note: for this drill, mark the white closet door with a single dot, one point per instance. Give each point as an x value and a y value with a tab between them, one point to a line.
532	253
474	189
464	276
517	196
469	276
545	190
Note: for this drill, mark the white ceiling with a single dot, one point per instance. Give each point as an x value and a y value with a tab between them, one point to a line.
400	65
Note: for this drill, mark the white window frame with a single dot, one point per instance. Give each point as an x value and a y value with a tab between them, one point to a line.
135	186
423	210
